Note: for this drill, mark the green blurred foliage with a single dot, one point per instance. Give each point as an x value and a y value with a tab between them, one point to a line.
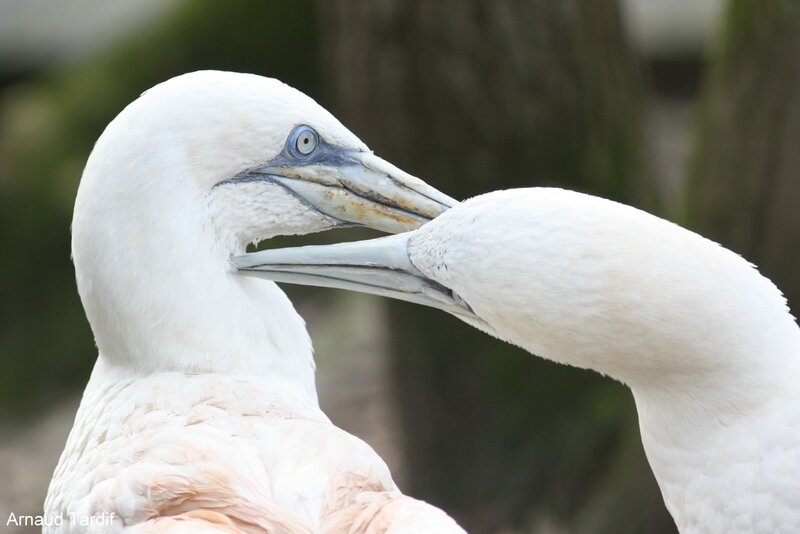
47	128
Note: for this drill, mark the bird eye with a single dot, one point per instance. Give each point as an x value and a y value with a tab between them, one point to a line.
305	140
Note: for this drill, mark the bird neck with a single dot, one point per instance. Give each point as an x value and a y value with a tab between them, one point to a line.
711	440
166	299
734	352
712	355
677	407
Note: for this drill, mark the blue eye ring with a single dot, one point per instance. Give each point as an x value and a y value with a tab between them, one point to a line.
303	141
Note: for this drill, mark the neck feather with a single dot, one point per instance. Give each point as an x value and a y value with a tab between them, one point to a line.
165	299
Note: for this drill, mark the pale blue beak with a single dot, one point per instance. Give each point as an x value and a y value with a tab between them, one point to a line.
377	266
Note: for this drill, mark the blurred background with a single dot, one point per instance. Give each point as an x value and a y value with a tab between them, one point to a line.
687	109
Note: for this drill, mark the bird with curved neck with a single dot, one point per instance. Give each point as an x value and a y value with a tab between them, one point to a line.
201	412
706	344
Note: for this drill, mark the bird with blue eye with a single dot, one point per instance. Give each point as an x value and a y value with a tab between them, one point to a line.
201	412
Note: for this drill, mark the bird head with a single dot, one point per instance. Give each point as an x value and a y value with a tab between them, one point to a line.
198	167
264	159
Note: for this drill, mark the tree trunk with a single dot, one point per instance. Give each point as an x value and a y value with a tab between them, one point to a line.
477	96
745	187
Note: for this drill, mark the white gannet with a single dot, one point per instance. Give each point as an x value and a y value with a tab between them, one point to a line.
201	412
706	344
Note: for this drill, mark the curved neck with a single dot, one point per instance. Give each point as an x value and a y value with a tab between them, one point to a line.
164	299
737	351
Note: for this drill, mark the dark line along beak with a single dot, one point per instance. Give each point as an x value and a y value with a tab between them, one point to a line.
377	266
355	188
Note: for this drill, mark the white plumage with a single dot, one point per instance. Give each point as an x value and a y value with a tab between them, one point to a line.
706	344
201	413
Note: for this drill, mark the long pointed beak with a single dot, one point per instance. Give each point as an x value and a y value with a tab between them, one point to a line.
355	188
377	266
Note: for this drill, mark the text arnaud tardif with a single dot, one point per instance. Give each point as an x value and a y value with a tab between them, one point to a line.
106	519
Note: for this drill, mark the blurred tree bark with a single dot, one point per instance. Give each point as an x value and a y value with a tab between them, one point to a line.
478	96
745	186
